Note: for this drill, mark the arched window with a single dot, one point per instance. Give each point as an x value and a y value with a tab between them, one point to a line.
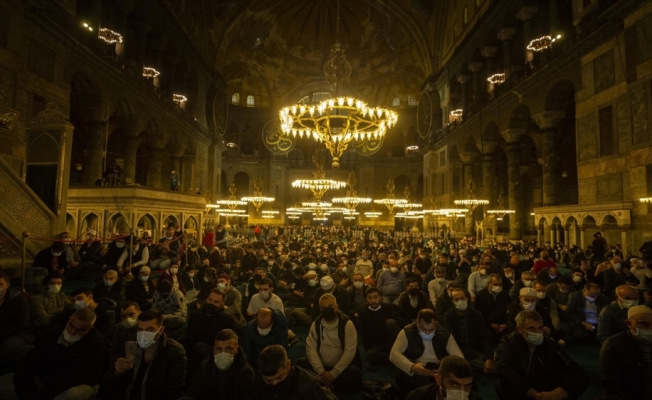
455	30
250	101
466	15
396	102
235	99
412	101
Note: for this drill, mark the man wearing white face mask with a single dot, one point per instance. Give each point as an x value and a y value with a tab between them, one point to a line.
437	286
125	331
141	289
270	326
157	371
584	307
454	381
104	311
529	301
469	330
265	298
67	364
227	375
554	375
46	308
391	283
418	350
112	288
53	259
612	317
625	366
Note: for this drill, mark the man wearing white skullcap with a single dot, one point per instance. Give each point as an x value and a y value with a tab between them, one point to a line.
327	285
626	358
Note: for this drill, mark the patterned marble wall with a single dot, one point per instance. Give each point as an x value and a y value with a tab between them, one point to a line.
640	112
587	142
604	72
609	188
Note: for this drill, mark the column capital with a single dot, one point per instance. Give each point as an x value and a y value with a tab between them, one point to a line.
549	119
489	51
467	157
475	66
464	79
512	135
506	34
526	13
488	149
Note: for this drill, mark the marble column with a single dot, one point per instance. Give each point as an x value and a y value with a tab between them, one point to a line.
464	80
188	174
515	194
489	174
95	151
476	69
539	236
553	229
488	53
506	35
549	124
526	14
582	239
154	167
130	152
467	173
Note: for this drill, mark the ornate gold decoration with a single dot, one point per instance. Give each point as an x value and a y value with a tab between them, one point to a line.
471	202
391	201
258	199
351	201
500	211
275	141
109	36
319	185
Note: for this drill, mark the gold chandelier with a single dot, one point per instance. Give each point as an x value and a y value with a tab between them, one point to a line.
391	201
351	201
407	206
339	120
319	185
258	199
501	211
232	203
471	202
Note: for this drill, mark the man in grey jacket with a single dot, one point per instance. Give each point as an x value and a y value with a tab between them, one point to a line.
391	283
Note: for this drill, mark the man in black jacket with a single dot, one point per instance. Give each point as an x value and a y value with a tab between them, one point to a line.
492	302
584	310
278	379
141	289
469	330
380	323
625	366
112	288
125	331
89	252
444	302
204	325
69	363
553	374
454	380
14	323
227	375
414	299
158	370
327	285
54	259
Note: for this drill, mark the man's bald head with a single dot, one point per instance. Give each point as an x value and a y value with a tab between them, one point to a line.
627	292
264	318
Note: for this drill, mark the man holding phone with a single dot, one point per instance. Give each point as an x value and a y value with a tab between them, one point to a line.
418	350
158	370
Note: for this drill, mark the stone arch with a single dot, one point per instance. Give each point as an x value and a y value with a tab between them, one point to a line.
147	222
191	225
609	218
87	84
170	219
453	153
241	180
124	110
557	96
71	225
117	223
520	117
89	221
491	133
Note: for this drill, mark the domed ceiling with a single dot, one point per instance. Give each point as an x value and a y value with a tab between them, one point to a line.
275	50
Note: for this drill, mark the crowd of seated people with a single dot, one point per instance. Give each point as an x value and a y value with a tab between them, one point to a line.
171	319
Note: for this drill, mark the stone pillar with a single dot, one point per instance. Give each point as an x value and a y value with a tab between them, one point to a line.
130	152
539	236
548	121
188	174
467	173
553	230
526	14
514	190
566	236
623	239
489	176
95	151
506	35
582	240
489	52
154	166
558	229
464	80
476	68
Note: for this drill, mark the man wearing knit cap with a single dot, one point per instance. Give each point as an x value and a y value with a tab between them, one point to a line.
626	358
327	285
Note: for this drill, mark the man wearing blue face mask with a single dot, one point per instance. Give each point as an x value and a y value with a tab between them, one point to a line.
612	317
418	350
625	366
614	276
554	375
157	371
227	375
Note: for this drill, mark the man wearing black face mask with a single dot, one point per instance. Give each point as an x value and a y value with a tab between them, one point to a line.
203	325
278	379
414	299
331	348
